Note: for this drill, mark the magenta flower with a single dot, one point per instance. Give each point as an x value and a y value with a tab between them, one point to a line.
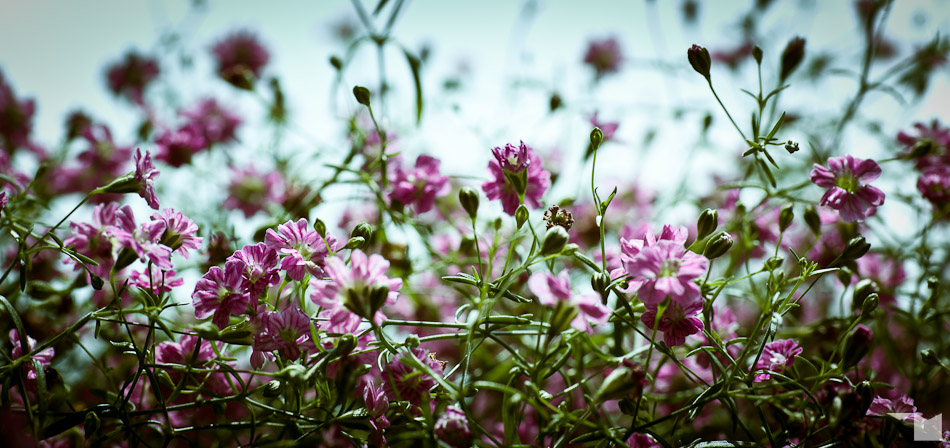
419	186
251	192
524	173
221	293
287	332
45	357
92	239
666	269
937	135
604	56
101	162
240	59
551	289
130	76
934	184
376	406
177	147
403	382
846	180
144	240
356	287
217	124
303	249
900	405
17	118
678	321
157	281
179	233
776	357
145	174
638	440
452	428
260	267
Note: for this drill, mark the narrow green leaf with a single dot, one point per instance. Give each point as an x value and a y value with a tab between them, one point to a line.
778	125
415	65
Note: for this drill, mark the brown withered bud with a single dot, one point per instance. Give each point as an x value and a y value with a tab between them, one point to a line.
557	216
792	56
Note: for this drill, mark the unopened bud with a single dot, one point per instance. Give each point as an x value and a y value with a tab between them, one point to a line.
707	223
856	248
929	357
718	245
555	103
320	227
774	263
785	217
345	345
791	147
468	197
813	220
596	138
792	57
336	62
362	95
554	240
866	396
700	60
91	424
857	345
364	230
757	54
355	243
862	290
920	149
870	304
521	216
273	388
412	341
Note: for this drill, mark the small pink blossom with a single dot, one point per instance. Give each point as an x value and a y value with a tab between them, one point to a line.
452	428
677	322
523	172
240	59
157	281
934	184
776	357
303	250
177	147
900	405
251	192
376	406
144	240
287	332
666	269
45	357
354	283
551	290
221	293
260	267
847	182
604	56
403	382
130	76
92	239
180	231
145	174
217	123
936	134
419	186
638	440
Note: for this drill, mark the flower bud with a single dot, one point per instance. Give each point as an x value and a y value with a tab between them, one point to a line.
718	245
412	341
596	138
869	305
599	281
700	60
757	54
468	197
320	227
920	149
555	103
362	95
792	57
557	216
813	220
862	290
774	263
273	388
554	240
91	424
866	394
785	217
707	223
363	230
336	62
344	345
856	346
929	357
856	248
355	243
521	216
791	147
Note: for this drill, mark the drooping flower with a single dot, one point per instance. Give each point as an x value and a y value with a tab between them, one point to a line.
516	169
776	357
144	240
304	250
260	267
221	293
240	59
362	288
452	428
664	269
45	357
130	76
179	233
287	332
402	382
177	147
678	321
145	174
217	124
419	186
604	56
157	281
847	182
251	192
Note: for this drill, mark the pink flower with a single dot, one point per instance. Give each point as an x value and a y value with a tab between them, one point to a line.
92	240
130	76
359	288
143	240
901	405
934	184
222	293
848	192
551	289
452	428
17	122
101	162
677	322
524	173
888	273
240	59
3	199
179	231
251	192
776	357
157	281
733	57
638	440
260	267
145	174
177	147
666	269
217	124
604	56
420	186
608	128
937	135
376	406
287	332
403	382
303	249
45	357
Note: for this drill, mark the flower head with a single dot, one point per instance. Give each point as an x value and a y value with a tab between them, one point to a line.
604	56
92	239
16	123
177	147
260	267
287	332
452	428
250	191
144	240
402	382
776	357
934	185
362	288
512	159
303	249
677	322
221	293
846	180
551	290
155	280
666	269
419	186
217	124
517	172
130	76
179	231
240	59
145	174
